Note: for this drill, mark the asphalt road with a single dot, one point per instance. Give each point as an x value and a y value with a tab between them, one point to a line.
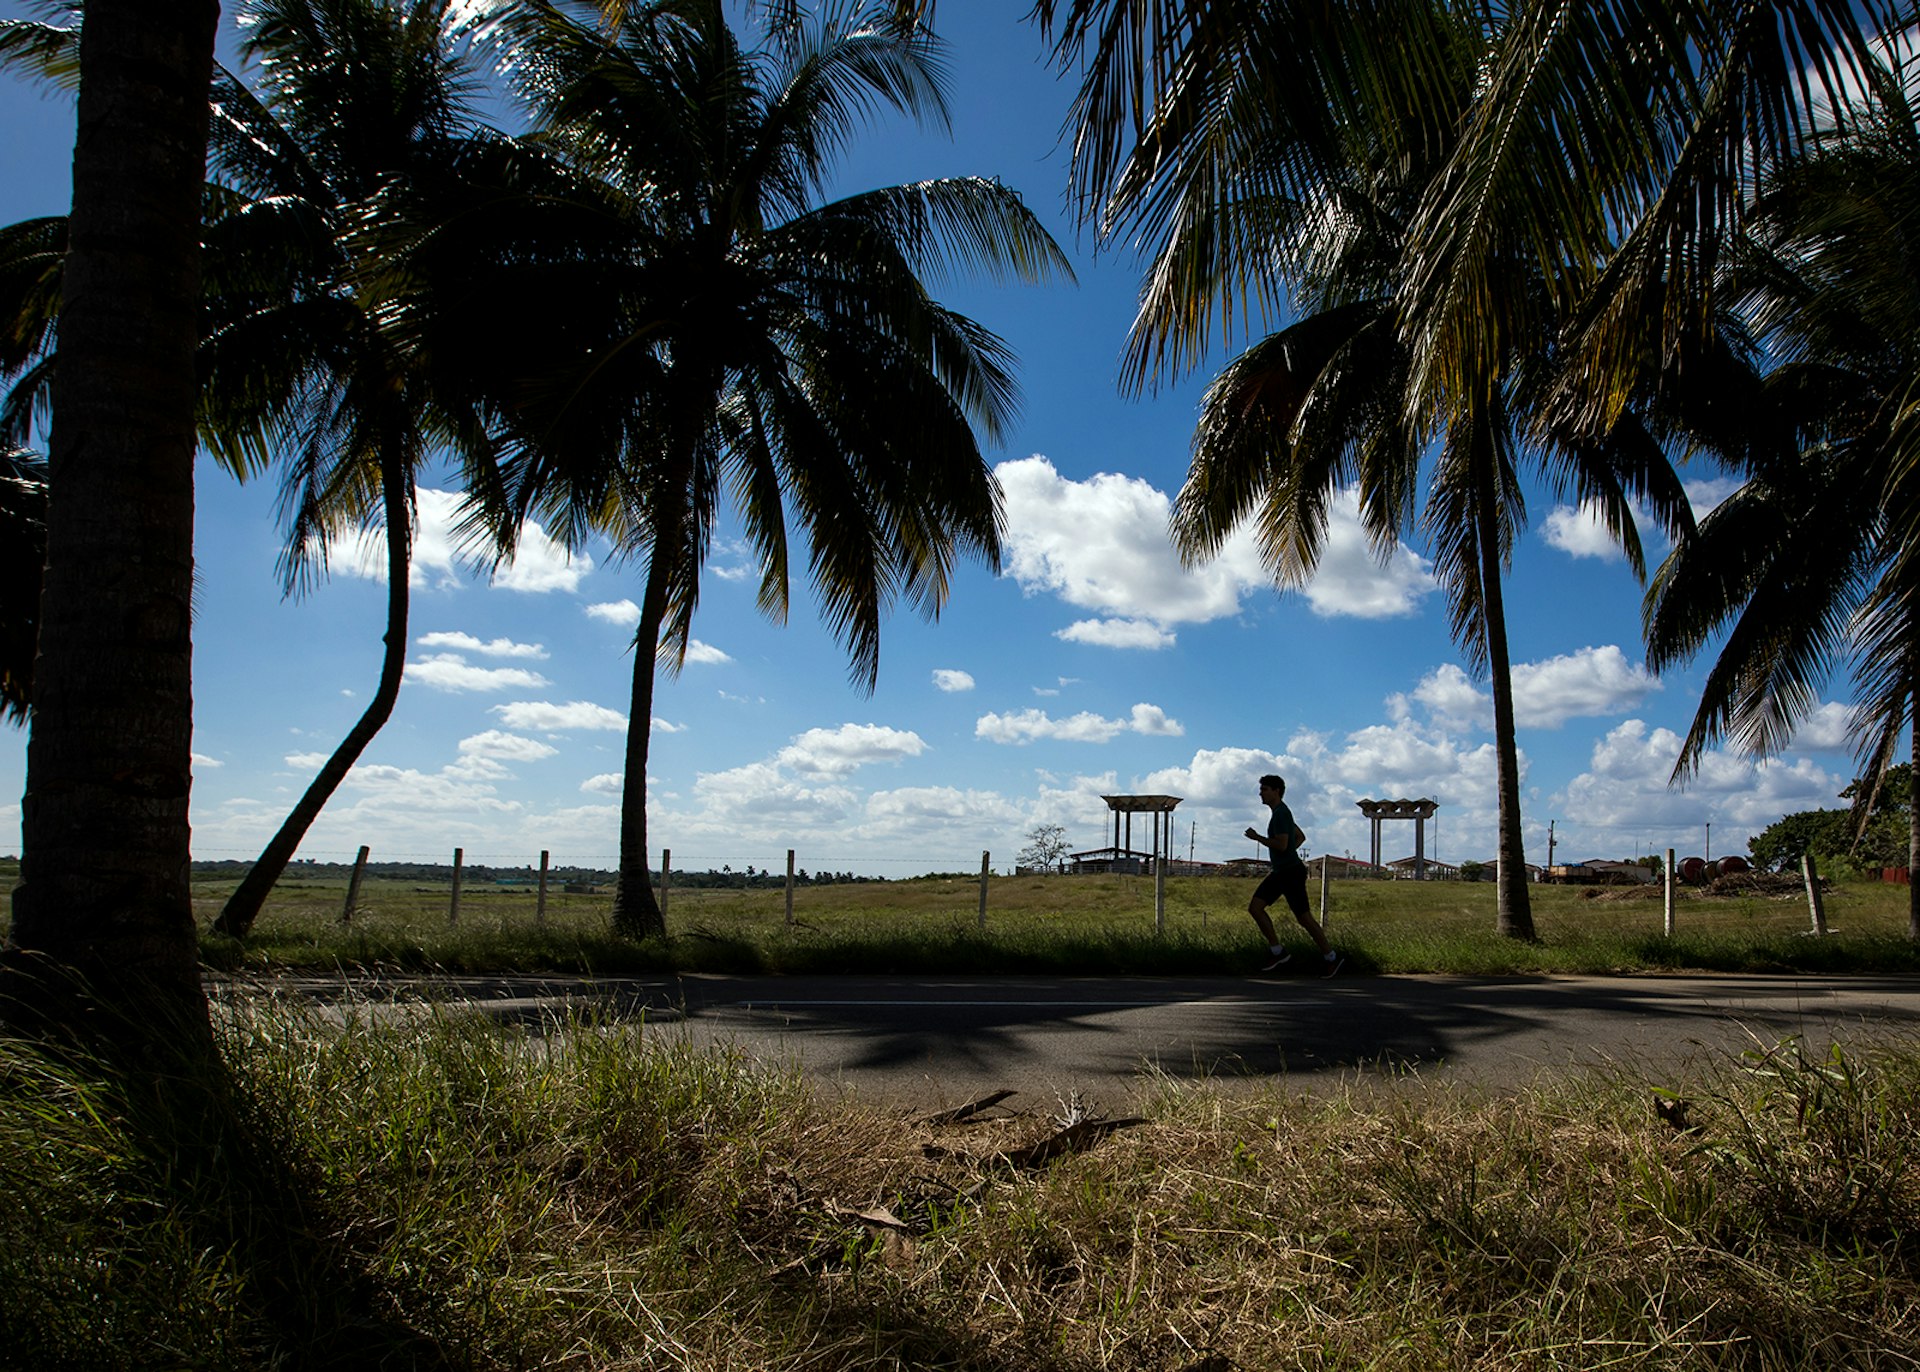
938	1041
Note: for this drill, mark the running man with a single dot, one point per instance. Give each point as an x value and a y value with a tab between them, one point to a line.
1288	878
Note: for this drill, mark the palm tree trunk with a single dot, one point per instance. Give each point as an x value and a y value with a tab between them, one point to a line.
1514	901
1913	814
243	906
636	911
104	912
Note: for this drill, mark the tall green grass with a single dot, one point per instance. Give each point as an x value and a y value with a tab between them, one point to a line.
449	1194
1064	926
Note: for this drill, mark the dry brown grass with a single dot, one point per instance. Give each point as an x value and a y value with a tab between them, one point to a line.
597	1200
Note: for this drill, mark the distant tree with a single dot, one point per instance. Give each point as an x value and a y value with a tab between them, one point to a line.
1046	845
1472	871
1780	846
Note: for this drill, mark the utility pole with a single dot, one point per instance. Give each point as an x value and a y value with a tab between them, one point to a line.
1550	824
1708	857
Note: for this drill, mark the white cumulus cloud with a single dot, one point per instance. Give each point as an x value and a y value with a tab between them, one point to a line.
499	744
451	672
1827	729
1591	682
623	613
439	552
952	679
704	652
1025	726
546	717
838	752
1352	582
467	643
1579	533
1117	633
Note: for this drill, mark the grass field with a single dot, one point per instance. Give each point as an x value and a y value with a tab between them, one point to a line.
1062	924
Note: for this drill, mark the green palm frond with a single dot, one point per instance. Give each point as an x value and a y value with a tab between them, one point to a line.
46	50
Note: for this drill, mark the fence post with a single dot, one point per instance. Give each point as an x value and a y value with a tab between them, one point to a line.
540	909
453	909
1325	864
1668	878
1159	893
353	886
1815	905
789	888
666	878
985	857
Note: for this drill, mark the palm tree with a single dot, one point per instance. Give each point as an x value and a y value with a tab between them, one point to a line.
302	365
103	890
1442	186
365	102
741	335
1815	560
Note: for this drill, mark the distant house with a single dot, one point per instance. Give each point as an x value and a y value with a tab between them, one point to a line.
1407	868
1535	872
1127	861
1602	872
1344	868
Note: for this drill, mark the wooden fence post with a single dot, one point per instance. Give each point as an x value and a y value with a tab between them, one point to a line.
353	886
540	908
1815	906
1668	878
985	858
453	907
666	878
789	888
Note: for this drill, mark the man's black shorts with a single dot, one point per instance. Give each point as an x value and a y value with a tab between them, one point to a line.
1289	881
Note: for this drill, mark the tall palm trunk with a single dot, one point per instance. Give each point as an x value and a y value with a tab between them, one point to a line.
1514	901
636	911
1913	813
104	890
243	906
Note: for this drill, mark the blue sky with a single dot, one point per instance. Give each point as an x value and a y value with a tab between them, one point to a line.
1092	664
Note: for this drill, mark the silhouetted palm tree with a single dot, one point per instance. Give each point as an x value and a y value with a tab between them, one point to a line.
103	883
365	110
1814	562
362	102
1441	187
737	336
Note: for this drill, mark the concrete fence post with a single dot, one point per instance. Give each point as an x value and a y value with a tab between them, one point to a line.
453	908
666	878
985	858
353	886
1815	906
540	907
789	888
1670	880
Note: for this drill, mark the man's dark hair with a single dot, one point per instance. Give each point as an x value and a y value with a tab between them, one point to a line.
1279	783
